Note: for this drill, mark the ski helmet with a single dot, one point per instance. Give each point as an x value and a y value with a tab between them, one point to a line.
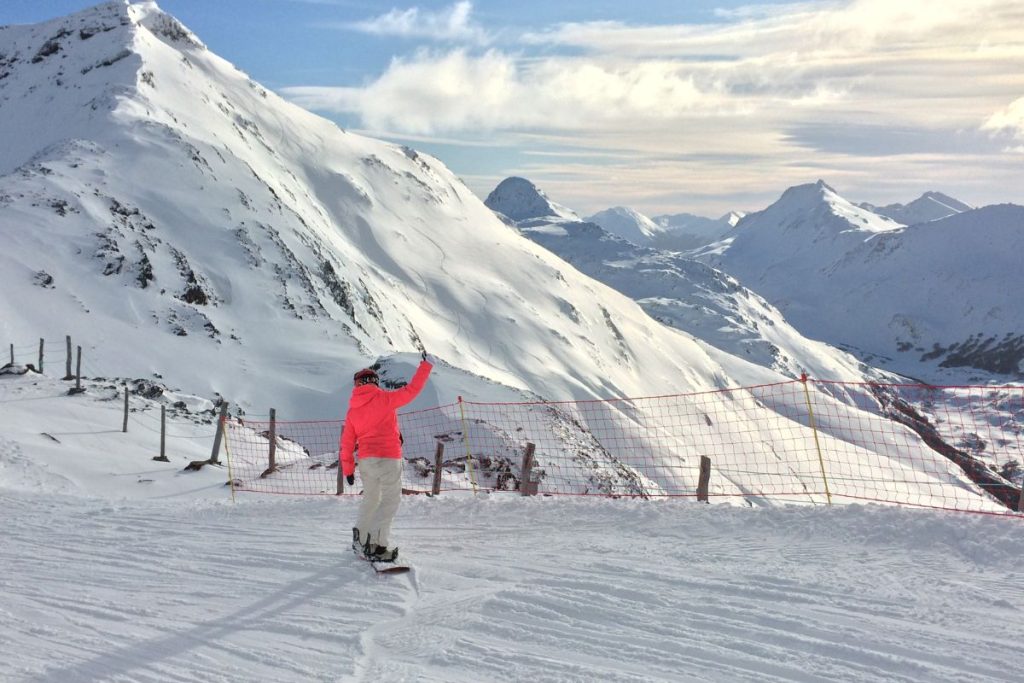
365	376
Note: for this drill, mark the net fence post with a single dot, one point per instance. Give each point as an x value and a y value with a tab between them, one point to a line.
124	425
435	488
341	481
272	436
40	356
527	487
704	479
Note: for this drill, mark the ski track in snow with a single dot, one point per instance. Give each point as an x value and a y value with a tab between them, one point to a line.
505	589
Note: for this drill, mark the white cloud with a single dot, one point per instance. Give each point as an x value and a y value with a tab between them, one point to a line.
782	96
1008	120
450	24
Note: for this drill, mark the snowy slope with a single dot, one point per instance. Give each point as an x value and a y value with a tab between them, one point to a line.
198	590
935	300
930	206
116	567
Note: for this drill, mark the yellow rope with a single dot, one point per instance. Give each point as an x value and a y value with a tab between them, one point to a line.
817	444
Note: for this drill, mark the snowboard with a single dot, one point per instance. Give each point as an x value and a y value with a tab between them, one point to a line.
390	567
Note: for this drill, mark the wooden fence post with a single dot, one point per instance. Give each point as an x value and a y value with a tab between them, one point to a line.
704	479
341	480
67	374
272	466
527	487
435	488
40	356
124	425
12	354
215	455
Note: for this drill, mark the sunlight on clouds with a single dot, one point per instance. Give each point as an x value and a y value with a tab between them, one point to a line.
805	90
458	91
452	23
1009	120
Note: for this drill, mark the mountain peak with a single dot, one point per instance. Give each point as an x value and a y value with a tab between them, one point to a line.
628	224
815	193
519	199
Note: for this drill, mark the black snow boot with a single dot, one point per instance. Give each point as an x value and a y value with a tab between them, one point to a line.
382	554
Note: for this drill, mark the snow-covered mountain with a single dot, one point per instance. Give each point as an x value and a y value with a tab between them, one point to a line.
628	224
690	296
180	219
674	232
930	206
918	300
518	200
685	231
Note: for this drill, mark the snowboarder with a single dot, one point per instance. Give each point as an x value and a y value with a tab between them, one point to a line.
371	425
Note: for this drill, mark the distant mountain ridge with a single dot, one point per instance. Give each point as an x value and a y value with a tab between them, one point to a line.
937	295
931	206
931	300
674	232
688	295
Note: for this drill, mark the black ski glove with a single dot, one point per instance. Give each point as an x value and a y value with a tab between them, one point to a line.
351	479
423	354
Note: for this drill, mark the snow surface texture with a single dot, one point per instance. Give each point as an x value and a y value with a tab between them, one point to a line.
116	567
623	590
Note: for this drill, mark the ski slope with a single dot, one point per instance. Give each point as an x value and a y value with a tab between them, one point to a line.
505	589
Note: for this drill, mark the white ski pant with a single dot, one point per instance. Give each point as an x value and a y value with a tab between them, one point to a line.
382	491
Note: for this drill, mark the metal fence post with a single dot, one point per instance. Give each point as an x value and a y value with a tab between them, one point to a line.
78	370
163	435
67	374
220	429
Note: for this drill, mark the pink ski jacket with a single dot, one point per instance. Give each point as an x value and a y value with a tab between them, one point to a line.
371	423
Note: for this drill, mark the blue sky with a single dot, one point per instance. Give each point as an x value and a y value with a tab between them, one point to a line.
665	106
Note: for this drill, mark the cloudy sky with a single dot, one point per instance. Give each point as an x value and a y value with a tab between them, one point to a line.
665	106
